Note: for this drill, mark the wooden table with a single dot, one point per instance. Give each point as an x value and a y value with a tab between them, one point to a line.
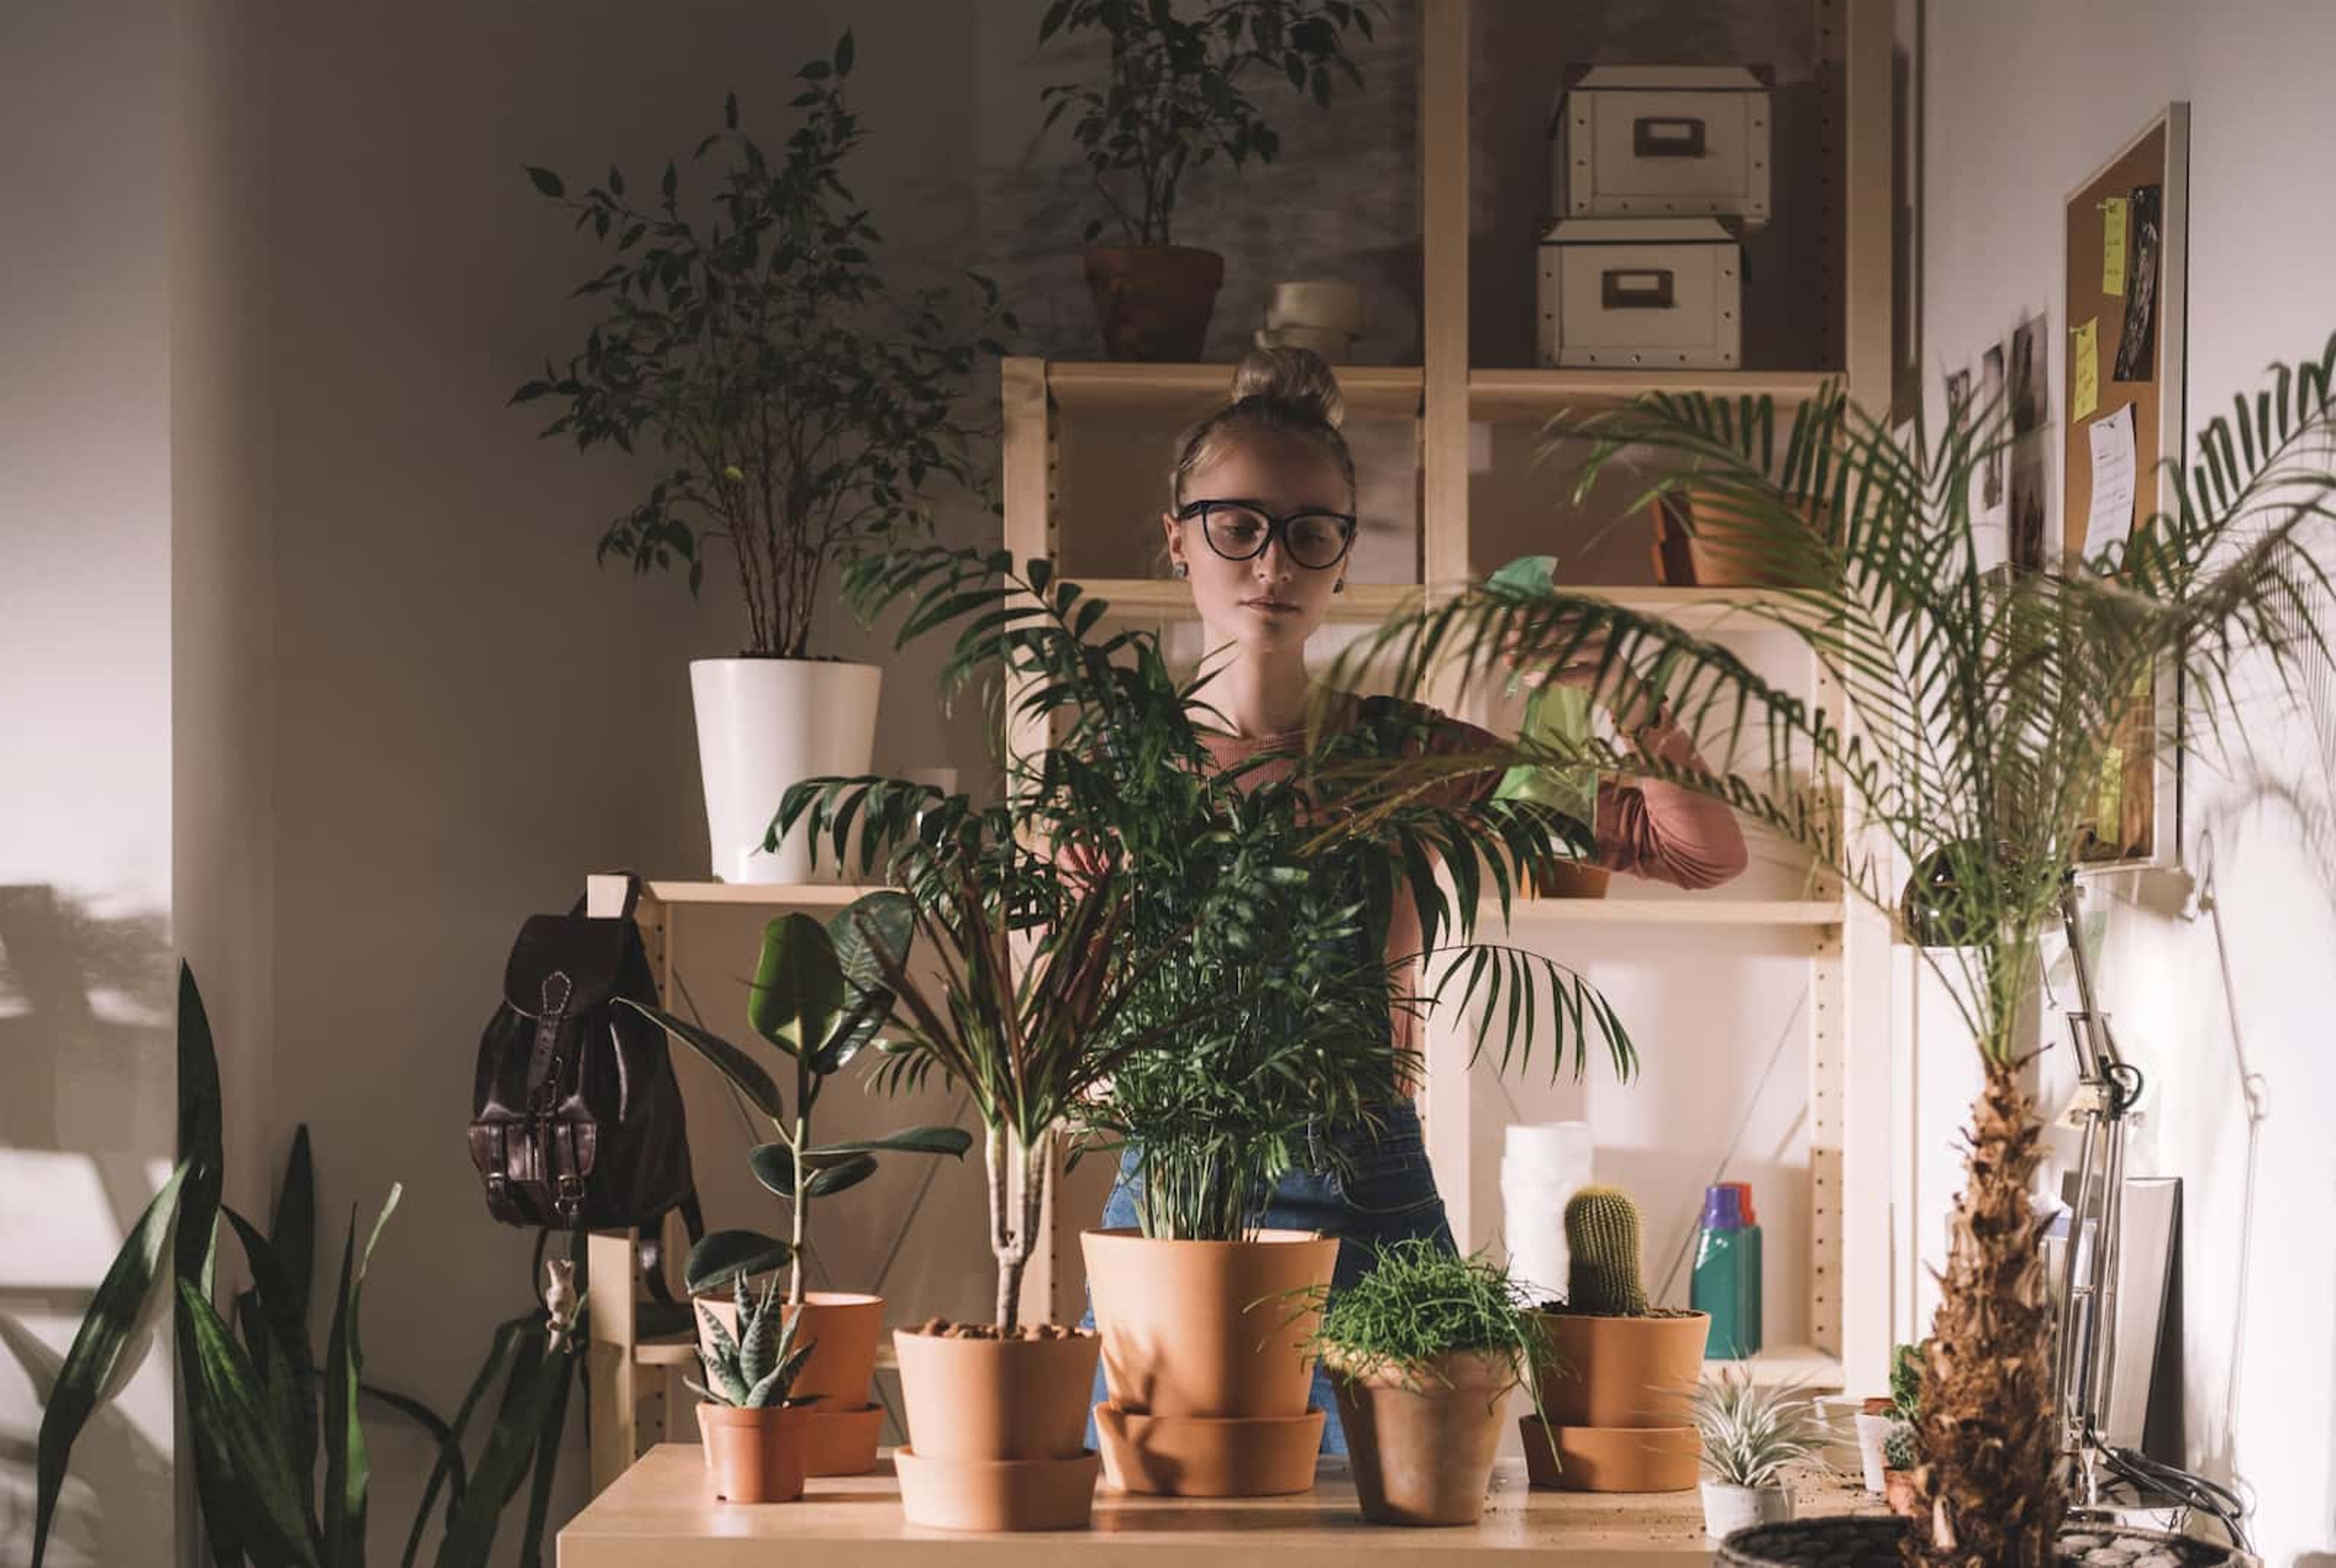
661	1514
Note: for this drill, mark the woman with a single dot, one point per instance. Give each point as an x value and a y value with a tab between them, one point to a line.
1260	523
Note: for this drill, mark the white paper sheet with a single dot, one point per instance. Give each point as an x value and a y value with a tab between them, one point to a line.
2111	519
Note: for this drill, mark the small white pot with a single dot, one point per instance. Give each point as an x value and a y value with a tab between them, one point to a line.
766	723
1727	1509
1873	1442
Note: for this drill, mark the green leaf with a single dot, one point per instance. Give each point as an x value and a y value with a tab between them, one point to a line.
843	54
910	1140
284	1308
200	1146
547	183
773	1166
798	990
223	1399
721	1257
292	1233
540	1391
733	1063
449	1471
348	1470
105	1334
547	1471
844	1177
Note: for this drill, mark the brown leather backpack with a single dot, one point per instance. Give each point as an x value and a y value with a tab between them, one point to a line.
576	1117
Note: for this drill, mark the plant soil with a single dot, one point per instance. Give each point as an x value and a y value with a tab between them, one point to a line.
941	1328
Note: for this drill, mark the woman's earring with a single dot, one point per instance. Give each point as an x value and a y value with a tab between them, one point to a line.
1180	571
1339	586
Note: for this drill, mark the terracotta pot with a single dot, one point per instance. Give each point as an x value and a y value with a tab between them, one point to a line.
997	1494
843	1329
1621	1371
756	1455
1207	1327
1152	301
996	1399
1898	1489
1572	880
1611	1459
1698	543
1423	1454
1195	1456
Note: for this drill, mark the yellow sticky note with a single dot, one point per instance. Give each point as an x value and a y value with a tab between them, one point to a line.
2085	369
2113	246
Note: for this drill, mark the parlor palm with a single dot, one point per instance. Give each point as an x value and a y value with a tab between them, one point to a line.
1987	704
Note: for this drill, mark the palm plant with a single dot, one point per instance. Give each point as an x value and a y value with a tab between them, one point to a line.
1987	704
1150	897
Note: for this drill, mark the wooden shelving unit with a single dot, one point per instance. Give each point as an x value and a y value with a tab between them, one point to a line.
1847	1059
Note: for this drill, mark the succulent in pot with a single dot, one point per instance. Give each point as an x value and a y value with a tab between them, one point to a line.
1902	1448
817	999
1614	1391
748	1413
1749	1433
1423	1351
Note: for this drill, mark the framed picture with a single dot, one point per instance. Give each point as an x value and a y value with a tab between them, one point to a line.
2125	247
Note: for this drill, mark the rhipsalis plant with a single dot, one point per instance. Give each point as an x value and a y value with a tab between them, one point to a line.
1176	97
1988	704
819	997
756	1367
1420	1301
808	414
1602	1244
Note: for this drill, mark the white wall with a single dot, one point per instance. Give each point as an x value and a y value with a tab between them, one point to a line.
86	1124
2022	102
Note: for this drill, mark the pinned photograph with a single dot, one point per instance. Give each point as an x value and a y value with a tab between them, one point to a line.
1990	383
2137	358
2027	376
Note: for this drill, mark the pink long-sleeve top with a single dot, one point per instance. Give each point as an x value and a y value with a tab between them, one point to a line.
1647	827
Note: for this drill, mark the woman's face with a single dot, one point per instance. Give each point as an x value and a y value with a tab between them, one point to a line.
1268	603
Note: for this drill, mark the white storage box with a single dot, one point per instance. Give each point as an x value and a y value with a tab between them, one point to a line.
1661	141
1649	294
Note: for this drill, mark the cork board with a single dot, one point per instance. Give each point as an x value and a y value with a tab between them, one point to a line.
2124	302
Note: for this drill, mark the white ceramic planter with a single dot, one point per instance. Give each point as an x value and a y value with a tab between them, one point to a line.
764	724
1873	1437
1727	1509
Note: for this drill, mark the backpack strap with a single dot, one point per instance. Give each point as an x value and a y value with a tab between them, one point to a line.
652	1244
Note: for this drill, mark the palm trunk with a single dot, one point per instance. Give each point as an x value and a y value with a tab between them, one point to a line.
1011	1250
1988	1492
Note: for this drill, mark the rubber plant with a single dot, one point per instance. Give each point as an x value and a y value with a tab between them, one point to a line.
1988	703
807	411
818	997
263	1408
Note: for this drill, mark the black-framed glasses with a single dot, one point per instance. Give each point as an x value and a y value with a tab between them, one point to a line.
1241	529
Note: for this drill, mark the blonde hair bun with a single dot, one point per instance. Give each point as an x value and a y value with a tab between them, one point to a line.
1298	377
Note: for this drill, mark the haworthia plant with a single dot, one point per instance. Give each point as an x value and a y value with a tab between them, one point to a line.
756	1367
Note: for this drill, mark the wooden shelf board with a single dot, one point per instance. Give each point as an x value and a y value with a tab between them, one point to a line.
759	895
1535	394
1118	386
1686	912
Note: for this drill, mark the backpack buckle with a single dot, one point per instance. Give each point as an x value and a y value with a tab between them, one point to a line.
567	1196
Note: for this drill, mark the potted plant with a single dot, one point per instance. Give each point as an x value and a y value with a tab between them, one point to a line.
1749	1435
1990	704
806	416
818	999
263	1408
1175	98
753	1424
1423	1351
1615	1385
1901	1450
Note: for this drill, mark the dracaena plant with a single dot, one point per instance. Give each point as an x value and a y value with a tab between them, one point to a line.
818	997
1202	960
263	1408
1986	705
1176	94
809	414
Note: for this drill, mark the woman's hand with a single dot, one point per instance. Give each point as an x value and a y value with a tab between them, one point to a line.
1625	696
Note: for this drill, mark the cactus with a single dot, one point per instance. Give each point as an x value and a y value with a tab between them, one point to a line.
1602	1233
1898	1449
756	1368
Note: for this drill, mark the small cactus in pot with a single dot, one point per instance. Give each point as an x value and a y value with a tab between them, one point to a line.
752	1424
1619	1371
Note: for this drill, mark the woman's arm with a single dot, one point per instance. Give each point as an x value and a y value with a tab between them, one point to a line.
1653	828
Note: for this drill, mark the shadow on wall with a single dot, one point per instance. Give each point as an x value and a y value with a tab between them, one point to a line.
86	1025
